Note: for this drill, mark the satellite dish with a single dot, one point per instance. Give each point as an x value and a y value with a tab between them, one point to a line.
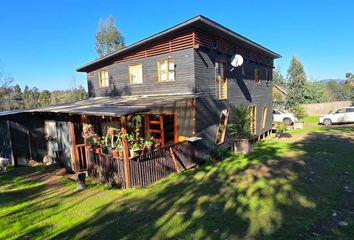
237	60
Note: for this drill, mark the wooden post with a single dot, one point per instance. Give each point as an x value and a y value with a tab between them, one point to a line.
123	123
174	159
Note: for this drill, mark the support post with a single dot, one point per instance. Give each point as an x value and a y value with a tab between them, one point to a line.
123	124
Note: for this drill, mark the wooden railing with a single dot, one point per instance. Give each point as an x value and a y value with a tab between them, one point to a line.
81	157
145	169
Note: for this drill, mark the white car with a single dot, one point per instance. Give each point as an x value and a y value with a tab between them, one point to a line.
280	116
342	115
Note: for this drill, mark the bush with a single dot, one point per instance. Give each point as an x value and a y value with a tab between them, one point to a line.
216	154
299	112
281	127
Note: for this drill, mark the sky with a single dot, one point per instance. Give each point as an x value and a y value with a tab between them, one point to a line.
43	42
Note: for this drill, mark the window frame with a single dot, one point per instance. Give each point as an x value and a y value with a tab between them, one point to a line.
167	61
100	81
129	74
257	76
253	115
218	82
264	116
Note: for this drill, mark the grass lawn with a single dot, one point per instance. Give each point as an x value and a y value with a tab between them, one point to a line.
297	188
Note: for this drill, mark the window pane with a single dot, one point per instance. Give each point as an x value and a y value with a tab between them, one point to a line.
171	65
136	74
163	76
171	75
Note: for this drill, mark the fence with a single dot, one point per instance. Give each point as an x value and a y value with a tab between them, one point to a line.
317	109
145	169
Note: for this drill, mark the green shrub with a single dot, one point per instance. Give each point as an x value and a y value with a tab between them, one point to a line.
280	127
216	154
299	112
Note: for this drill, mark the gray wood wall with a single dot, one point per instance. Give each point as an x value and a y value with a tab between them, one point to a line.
119	77
242	89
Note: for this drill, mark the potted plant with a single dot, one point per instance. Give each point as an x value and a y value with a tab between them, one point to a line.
299	113
109	140
148	144
91	139
240	129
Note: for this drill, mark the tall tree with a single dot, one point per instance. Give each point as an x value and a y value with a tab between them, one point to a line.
296	80
278	77
108	38
44	98
349	78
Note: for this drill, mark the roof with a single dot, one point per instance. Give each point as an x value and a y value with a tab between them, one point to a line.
200	22
280	89
112	106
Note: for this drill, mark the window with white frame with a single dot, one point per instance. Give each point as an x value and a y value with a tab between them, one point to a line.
166	70
135	74
103	80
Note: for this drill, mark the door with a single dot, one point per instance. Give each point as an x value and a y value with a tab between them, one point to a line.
20	139
51	137
340	116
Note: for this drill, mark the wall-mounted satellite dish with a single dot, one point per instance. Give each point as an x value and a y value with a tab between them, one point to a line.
237	60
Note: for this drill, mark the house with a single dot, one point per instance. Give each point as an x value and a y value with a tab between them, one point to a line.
180	81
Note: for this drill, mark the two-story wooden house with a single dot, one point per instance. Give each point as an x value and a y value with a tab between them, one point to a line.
180	80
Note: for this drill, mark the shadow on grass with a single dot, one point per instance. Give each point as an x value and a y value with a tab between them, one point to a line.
284	190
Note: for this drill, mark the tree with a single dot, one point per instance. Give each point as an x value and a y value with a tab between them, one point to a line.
44	98
296	80
316	92
278	77
349	78
108	38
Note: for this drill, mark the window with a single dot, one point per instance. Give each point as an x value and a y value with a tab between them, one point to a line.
103	80
268	76
257	76
221	81
166	70
135	74
264	116
253	113
221	133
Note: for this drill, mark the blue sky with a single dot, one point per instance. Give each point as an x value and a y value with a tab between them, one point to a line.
43	42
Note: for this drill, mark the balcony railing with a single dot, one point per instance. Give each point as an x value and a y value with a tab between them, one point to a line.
145	169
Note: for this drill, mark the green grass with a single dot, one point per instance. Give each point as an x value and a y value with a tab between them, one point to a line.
311	119
286	189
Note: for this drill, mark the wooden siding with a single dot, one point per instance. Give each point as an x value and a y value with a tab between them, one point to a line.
241	89
176	42
203	39
119	84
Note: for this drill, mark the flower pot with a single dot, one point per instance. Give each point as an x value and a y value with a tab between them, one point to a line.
244	146
115	153
298	125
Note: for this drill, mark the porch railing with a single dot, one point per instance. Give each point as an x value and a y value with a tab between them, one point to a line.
81	156
145	169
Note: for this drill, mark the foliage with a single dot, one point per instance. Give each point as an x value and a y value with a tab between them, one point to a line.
340	91
316	92
216	154
280	127
278	77
108	38
240	124
299	111
88	133
296	82
349	78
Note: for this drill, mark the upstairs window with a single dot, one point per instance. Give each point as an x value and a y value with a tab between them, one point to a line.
257	78
103	80
268	76
135	74
221	81
166	70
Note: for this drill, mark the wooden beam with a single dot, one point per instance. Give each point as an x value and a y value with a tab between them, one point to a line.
174	159
123	124
74	150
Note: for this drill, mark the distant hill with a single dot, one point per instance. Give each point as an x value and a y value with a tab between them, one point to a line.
337	80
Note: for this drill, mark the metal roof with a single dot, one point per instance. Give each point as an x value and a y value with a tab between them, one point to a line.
112	106
199	22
